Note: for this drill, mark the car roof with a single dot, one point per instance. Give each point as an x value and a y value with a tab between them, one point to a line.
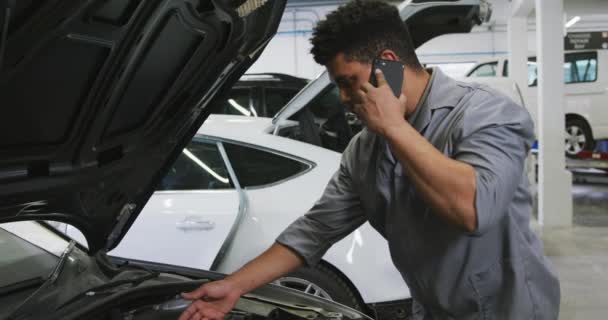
256	131
274	80
221	125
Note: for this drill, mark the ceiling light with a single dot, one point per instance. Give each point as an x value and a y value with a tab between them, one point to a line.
572	21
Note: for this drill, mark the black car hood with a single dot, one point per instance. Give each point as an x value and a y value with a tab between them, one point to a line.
99	97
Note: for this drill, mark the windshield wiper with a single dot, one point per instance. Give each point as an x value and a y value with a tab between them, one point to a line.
21	285
101	289
64	257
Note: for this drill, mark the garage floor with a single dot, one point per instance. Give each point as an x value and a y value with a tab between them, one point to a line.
580	254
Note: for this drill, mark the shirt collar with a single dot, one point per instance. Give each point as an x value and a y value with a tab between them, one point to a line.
440	92
421	117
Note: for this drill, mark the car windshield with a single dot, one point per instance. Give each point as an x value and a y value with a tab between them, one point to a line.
28	250
29	253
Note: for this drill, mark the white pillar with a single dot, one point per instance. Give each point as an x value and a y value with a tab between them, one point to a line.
555	183
518	50
517	31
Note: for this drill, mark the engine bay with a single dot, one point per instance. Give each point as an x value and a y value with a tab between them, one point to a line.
248	308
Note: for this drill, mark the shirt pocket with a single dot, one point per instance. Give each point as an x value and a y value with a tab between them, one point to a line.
502	292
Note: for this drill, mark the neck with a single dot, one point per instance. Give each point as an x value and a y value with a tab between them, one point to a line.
413	88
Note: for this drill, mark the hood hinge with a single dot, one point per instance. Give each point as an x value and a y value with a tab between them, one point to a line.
123	217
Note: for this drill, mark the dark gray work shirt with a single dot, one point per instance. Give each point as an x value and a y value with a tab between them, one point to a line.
497	272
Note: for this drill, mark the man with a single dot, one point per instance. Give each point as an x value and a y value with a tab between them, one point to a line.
438	172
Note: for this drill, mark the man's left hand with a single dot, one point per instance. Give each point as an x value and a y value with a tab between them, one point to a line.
379	108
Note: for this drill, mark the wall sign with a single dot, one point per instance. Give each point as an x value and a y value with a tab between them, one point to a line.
586	40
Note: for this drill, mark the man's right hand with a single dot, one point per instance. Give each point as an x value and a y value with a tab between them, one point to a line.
211	301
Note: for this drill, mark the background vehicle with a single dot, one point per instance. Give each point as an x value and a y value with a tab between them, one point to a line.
260	95
234	189
335	126
585	100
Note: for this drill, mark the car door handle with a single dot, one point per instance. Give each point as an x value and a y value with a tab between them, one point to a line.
195	224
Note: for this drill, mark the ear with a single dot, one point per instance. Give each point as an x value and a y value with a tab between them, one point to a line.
388	54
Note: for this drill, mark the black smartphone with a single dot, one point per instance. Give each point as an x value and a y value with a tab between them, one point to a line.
393	73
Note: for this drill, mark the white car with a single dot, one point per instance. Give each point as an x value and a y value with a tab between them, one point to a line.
228	196
586	94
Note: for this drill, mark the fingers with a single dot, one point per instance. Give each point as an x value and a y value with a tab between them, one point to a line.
188	313
367	87
362	94
196	294
402	99
380	79
200	310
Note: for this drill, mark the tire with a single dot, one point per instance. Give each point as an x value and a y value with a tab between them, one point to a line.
323	282
578	137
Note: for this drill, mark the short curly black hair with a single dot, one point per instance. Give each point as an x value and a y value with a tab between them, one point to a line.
362	29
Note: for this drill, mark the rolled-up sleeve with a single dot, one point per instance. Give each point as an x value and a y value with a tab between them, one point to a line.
336	214
495	141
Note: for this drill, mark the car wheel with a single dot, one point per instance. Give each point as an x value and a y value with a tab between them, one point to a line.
578	137
322	282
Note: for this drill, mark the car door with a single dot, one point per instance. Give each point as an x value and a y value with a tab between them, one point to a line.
190	216
275	185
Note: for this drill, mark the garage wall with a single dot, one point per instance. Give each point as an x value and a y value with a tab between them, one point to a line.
288	52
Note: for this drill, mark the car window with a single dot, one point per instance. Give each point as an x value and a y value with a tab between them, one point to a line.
532	73
276	99
199	167
580	67
254	167
238	103
327	103
485	70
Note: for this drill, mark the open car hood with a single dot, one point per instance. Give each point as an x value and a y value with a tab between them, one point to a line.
99	97
426	20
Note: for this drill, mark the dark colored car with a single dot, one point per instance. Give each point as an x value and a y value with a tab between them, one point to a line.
99	98
260	94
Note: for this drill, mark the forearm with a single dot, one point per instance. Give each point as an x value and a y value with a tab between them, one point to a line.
446	184
275	262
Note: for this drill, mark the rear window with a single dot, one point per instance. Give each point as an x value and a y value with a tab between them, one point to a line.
255	167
